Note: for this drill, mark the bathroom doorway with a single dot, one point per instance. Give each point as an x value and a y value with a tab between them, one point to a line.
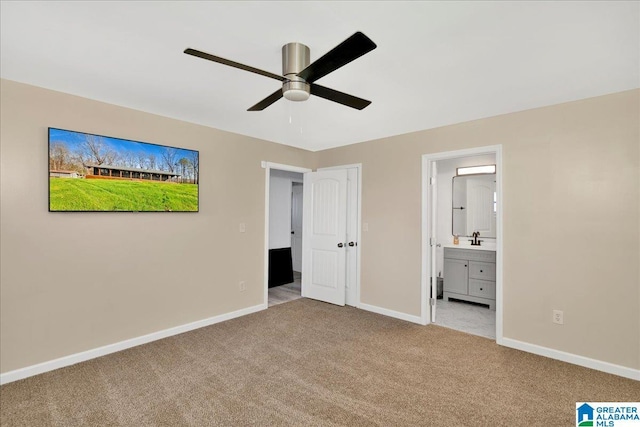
462	278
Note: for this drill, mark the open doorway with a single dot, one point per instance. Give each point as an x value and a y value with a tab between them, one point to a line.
281	282
462	279
285	236
340	278
292	290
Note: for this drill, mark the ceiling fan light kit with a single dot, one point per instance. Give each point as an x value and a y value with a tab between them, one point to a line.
298	76
295	58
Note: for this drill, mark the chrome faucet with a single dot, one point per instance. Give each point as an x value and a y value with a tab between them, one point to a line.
475	241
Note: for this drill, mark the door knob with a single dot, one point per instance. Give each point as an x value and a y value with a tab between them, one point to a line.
352	244
340	245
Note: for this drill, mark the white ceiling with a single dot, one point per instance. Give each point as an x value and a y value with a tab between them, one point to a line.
437	63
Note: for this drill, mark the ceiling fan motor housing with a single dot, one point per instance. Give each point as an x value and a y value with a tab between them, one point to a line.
298	75
295	58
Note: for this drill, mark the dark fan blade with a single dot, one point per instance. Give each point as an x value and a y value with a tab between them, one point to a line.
267	101
219	60
339	97
352	48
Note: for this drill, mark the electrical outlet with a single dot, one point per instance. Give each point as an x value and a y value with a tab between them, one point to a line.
243	227
558	317
243	286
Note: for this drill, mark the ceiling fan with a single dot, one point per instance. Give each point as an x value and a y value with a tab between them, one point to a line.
298	76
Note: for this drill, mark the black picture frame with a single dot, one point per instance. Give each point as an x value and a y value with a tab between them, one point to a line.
97	173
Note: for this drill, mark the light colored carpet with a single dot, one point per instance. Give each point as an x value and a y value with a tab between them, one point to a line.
307	363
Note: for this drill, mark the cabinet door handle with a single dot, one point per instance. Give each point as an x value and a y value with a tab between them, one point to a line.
340	245
480	271
480	288
465	265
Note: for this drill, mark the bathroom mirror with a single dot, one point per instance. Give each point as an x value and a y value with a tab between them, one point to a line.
474	205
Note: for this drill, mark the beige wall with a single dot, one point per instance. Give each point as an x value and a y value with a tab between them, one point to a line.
75	281
571	221
571	228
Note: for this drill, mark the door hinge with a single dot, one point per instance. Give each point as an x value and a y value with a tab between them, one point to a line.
432	301
432	180
432	241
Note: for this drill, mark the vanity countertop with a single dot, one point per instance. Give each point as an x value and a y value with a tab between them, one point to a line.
485	246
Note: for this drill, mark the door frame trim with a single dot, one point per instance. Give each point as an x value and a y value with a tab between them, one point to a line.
301	238
267	166
358	166
427	160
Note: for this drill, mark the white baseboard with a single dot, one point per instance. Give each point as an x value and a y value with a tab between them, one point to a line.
72	359
51	365
575	359
391	313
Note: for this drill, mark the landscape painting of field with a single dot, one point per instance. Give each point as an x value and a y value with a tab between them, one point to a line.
93	173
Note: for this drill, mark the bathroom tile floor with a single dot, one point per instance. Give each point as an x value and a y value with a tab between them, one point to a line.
470	318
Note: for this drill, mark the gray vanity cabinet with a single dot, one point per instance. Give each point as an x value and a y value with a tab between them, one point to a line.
456	276
470	275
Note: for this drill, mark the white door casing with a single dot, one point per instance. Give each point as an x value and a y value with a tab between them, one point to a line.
324	236
296	226
433	242
352	237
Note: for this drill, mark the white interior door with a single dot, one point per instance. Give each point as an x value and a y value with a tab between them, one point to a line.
433	243
480	214
324	236
296	226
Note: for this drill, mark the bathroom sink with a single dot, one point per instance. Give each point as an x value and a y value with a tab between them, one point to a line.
484	246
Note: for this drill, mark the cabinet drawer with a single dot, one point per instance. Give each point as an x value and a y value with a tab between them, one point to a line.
482	270
482	288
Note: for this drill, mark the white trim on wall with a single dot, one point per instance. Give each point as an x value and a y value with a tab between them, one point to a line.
267	173
575	359
425	270
72	359
391	313
282	167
